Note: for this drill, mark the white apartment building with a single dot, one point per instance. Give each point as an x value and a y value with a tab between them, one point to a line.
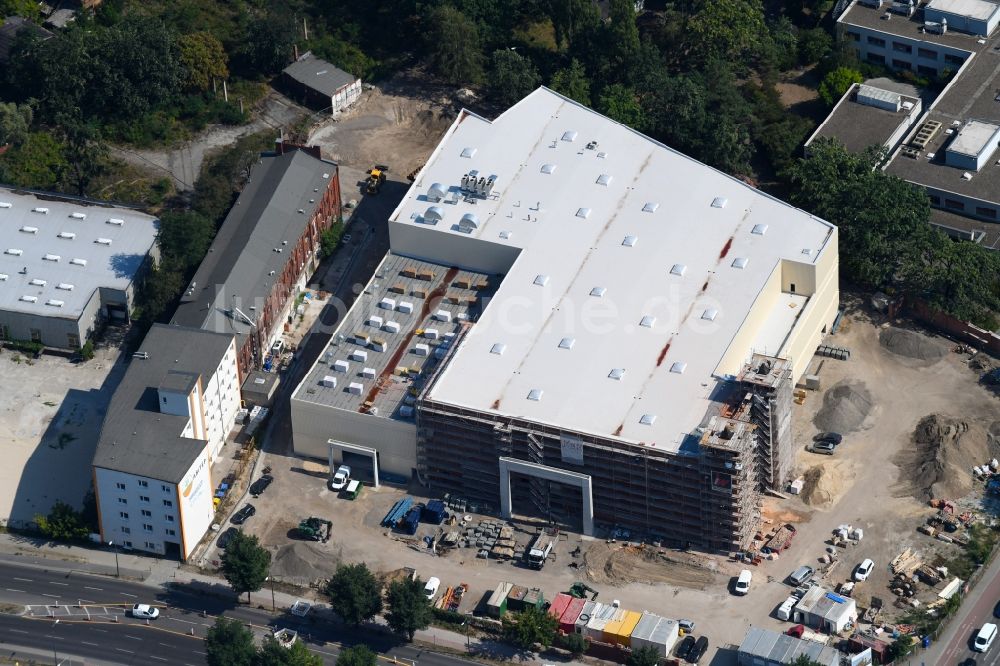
165	426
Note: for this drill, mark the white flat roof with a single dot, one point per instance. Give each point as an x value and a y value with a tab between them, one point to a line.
55	252
599	235
973	138
975	9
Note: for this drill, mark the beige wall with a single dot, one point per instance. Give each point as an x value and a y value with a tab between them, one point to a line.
802	275
819	312
313	425
738	352
421	242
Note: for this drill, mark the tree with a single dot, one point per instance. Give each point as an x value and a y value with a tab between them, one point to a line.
63	523
804	660
453	46
85	154
901	647
272	653
355	594
835	84
644	656
729	29
357	655
38	162
572	81
571	17
15	123
575	643
531	626
26	8
814	45
409	608
184	238
229	643
268	45
204	59
619	103
245	564
514	76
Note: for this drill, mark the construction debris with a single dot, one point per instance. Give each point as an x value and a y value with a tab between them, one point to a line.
905	563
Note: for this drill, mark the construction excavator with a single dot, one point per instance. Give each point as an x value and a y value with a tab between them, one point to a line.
376	178
315	529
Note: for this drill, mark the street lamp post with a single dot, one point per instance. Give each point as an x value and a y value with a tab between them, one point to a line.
118	572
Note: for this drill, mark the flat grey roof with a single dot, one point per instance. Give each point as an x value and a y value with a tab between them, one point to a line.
987	233
858	126
319	75
972	138
136	438
784	649
976	9
901	26
243	262
449	289
57	251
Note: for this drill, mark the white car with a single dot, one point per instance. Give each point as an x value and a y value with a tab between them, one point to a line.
864	570
145	612
431	588
340	479
984	639
743	582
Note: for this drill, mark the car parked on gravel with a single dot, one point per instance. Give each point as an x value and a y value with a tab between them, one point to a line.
684	647
834	438
258	487
226	537
823	448
864	570
243	514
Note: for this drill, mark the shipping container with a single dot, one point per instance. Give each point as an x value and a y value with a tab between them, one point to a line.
613	624
619	632
598	620
559	605
434	512
581	622
568	620
497	603
515	598
656	632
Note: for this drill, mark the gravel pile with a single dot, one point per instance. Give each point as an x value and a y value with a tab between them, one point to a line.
846	405
940	462
911	344
301	563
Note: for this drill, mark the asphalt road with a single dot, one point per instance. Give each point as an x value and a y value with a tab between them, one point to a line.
93	622
976	610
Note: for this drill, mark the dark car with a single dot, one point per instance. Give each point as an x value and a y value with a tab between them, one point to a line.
968	662
996	610
258	487
834	438
241	516
226	537
825	448
684	648
698	651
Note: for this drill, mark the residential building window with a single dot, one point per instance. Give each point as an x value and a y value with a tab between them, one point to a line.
902	48
856	36
167	503
126	530
73	340
36	335
927	53
171	533
147	527
150	545
935	199
128	544
165	488
123	514
147	513
953	59
901	64
169	518
875	41
924	70
120	485
122	500
143	498
986	212
874	57
143	484
954	205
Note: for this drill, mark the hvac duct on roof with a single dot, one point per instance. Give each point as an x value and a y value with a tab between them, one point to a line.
117	221
740	262
14	252
469	221
435	214
678	269
65	286
498	349
103	241
55	302
38	282
630	240
68	235
710	314
548	168
567	343
650	207
583	212
51	257
78	262
29	299
569	135
647	321
29	230
535	394
759	229
78	216
436	192
43	211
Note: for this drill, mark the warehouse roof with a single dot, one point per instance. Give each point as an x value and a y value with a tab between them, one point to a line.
629	269
255	242
909	27
136	438
782	649
858	125
319	75
55	252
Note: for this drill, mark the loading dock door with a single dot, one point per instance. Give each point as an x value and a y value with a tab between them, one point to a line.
342	448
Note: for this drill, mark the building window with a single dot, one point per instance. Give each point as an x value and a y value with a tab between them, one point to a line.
935	199
954	205
927	53
165	488
147	527
901	64
143	498
73	340
123	514
169	518
986	212
902	48
876	58
126	530
167	503
143	484
856	36
128	544
875	41
147	513
150	545
122	500
953	59
924	70
36	335
120	486
171	533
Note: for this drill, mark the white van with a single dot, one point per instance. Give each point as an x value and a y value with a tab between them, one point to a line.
984	639
785	609
743	582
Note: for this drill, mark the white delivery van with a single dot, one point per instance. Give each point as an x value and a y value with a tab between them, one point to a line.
743	582
785	609
984	639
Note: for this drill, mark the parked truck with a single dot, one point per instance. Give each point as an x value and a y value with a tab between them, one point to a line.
539	548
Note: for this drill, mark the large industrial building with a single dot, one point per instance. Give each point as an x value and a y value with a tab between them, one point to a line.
950	147
165	425
265	251
67	265
577	322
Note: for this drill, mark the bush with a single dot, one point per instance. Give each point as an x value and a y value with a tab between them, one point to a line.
64	523
87	351
576	644
26	346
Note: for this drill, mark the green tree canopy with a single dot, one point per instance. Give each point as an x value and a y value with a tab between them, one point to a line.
37	162
644	656
453	45
245	563
26	8
409	608
620	103
575	643
272	653
572	81
184	237
835	84
804	660
229	643
571	17
204	59
86	155
63	523
355	594
270	36
728	29
357	655
15	123
529	627
513	76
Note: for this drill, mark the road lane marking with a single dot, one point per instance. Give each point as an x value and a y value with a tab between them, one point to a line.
52	582
99	589
153	656
124	650
91	644
53	596
199	652
24	580
10	589
177	619
86	601
18	631
135	638
58	638
166	645
126	594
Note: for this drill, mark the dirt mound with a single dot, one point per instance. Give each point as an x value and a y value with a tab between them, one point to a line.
301	563
846	405
824	484
982	362
939	464
618	564
911	344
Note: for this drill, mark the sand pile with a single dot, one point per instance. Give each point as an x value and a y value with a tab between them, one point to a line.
939	464
302	563
824	484
911	344
846	405
982	362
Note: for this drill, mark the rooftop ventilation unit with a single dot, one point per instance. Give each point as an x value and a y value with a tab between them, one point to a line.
759	229
103	241
601	155
328	381
468	222
567	343
925	134
29	299
598	292
604	179
434	214
678	367
469	152
905	8
13	251
806	251
583	212
78	216
569	135
436	192
5	204
68	235
874	4
65	286
38	282
719	202
710	314
541	280
43	211
506	234
117	221
548	168
740	262
647	419
678	269
630	240
498	349
78	262
591	145
936	28
616	373
29	230
536	394
650	207
647	321
55	302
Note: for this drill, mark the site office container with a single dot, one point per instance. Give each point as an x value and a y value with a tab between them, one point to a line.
620	631
567	623
560	604
497	603
657	632
599	619
581	622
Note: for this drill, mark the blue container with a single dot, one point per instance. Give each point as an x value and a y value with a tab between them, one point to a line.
411	521
434	512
